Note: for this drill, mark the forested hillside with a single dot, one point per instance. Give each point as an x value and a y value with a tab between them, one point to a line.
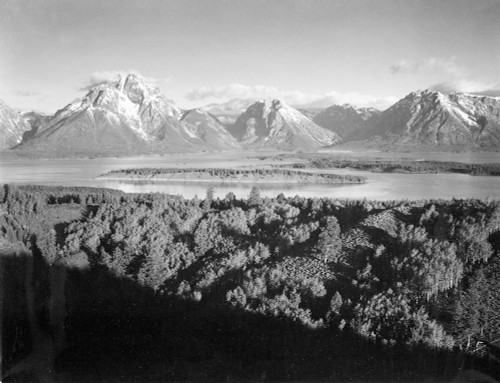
154	287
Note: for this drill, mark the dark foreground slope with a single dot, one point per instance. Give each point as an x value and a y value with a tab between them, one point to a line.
158	288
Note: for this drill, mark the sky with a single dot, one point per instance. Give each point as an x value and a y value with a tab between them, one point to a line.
311	53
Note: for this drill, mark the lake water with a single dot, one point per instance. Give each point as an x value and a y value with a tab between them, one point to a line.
380	186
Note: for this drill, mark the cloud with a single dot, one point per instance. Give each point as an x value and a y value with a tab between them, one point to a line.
101	77
448	66
464	85
295	98
255	92
489	92
231	91
455	77
233	106
27	93
353	98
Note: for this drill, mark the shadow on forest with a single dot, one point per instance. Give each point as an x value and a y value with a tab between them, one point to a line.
116	330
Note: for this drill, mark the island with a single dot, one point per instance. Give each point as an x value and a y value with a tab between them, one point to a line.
272	175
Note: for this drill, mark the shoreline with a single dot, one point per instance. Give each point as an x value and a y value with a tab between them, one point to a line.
398	166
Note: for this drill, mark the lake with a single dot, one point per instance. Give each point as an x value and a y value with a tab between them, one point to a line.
380	186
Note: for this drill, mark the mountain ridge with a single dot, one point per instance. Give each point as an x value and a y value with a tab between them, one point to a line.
209	128
346	120
432	118
274	125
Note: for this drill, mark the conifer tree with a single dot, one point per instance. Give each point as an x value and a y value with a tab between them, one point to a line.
329	244
207	204
254	198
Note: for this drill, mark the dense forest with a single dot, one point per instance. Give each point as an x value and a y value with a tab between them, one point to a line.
101	285
226	174
399	165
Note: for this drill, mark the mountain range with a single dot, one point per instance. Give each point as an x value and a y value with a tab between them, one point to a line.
131	116
127	115
434	119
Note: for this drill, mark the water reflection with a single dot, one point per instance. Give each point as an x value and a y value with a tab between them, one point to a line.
240	190
379	187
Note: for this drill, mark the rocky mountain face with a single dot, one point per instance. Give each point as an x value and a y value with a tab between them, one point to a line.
346	120
207	127
431	118
35	120
12	126
128	115
274	125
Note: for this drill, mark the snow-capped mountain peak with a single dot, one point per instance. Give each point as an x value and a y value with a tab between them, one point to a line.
432	118
272	124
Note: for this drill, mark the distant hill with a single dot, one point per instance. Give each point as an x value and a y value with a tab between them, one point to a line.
433	119
12	126
346	120
274	125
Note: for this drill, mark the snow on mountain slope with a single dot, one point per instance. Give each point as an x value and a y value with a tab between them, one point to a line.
129	115
432	118
273	125
12	126
208	128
